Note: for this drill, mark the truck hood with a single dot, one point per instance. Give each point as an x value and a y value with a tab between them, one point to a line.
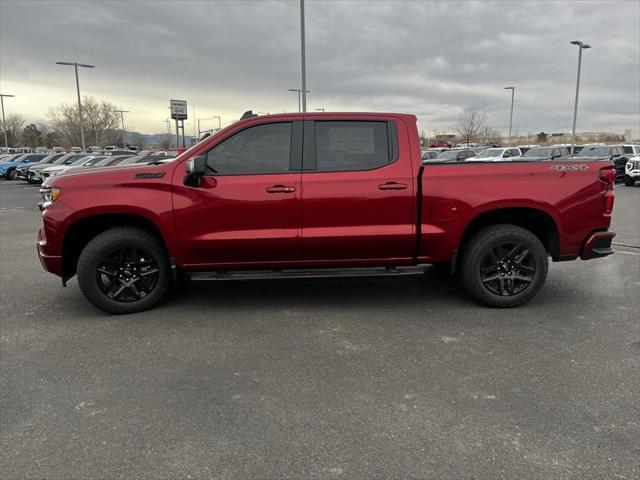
87	176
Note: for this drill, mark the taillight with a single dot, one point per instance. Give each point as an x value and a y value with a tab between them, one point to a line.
608	176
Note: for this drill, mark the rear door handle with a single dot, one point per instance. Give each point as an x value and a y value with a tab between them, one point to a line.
392	186
280	189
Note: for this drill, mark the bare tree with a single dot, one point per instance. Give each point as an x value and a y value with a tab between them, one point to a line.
165	142
15	123
101	122
471	123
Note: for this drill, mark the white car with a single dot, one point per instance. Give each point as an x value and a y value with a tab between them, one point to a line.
496	155
82	162
632	171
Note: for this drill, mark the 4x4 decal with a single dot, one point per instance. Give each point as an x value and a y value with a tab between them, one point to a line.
569	167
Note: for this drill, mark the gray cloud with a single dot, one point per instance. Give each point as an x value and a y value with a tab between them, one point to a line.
429	58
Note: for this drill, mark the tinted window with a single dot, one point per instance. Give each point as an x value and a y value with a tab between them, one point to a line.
256	150
628	149
344	146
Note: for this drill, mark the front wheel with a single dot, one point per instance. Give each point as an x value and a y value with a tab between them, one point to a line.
504	266
13	174
629	181
124	270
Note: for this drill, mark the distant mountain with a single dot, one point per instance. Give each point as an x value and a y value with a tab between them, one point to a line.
154	140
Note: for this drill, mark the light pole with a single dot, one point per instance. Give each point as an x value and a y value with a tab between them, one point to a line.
575	107
209	118
76	65
304	62
300	92
4	123
124	140
513	93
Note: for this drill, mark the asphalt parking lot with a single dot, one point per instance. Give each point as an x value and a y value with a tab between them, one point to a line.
376	378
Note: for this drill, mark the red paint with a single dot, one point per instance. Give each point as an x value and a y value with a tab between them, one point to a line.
307	219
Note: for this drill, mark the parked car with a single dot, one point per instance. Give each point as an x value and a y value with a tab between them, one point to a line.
576	148
455	155
8	169
612	152
112	160
119	152
34	174
546	153
83	161
49	159
496	155
525	148
429	154
632	171
631	149
260	200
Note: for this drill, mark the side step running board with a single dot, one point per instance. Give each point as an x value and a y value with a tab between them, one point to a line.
308	273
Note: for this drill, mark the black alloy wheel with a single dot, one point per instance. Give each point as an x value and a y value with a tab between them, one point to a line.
503	266
124	270
127	274
507	269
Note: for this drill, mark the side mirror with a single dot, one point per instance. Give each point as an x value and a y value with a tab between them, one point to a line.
615	155
194	169
460	157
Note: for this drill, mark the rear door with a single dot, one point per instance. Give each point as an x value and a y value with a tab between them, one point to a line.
358	198
247	207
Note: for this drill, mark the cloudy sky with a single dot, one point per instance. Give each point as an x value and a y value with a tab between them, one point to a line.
428	58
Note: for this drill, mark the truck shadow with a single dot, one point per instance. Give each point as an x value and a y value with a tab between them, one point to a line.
434	287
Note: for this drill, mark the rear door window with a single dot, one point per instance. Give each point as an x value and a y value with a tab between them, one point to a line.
352	145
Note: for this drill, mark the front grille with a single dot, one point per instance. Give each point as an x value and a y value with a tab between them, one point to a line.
636	164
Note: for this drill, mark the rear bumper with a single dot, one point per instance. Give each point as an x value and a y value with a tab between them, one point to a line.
51	263
597	245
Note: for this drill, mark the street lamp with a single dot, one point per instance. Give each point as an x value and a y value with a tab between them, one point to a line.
303	55
575	107
124	141
210	118
300	106
4	123
76	65
513	93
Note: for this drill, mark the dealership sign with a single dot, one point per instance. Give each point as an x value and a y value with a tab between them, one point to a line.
179	109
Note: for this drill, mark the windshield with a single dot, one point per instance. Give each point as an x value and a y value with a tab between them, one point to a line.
95	160
595	152
490	152
131	160
538	152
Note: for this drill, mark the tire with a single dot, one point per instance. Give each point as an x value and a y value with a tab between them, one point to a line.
124	270
628	181
493	270
12	174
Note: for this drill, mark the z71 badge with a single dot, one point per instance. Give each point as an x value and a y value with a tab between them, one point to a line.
569	167
141	176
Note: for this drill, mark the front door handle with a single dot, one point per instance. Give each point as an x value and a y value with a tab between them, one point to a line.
392	186
280	189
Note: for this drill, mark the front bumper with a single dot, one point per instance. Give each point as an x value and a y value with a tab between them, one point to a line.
597	245
51	263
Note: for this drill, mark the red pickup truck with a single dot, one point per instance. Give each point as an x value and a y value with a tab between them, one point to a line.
326	194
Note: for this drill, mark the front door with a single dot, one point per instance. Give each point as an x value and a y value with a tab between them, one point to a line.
358	200
246	210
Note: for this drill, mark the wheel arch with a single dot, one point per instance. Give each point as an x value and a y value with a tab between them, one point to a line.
83	229
537	221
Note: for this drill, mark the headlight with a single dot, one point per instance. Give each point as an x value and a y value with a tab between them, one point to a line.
49	195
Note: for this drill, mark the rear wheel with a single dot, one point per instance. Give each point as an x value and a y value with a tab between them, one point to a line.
628	181
124	270
12	175
504	266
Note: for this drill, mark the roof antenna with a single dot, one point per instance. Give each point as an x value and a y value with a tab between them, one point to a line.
248	114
